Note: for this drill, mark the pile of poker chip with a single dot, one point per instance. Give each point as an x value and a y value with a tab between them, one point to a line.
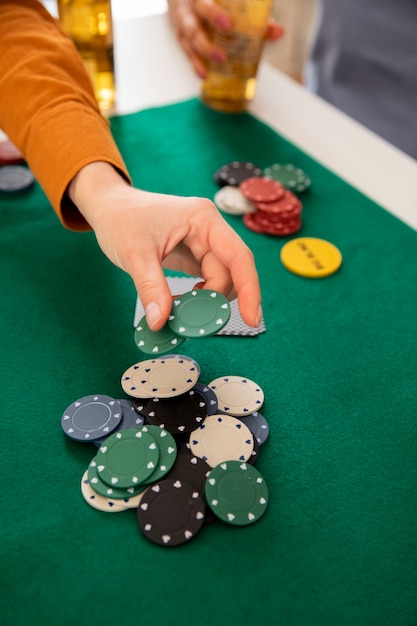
14	175
178	451
267	199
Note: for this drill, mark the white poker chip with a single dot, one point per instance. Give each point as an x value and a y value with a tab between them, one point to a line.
231	200
101	503
108	505
160	378
237	396
221	438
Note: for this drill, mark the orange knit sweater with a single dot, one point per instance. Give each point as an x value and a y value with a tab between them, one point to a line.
47	104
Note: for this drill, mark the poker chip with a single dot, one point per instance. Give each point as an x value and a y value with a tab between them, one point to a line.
194	471
155	341
279	218
183	356
255	452
167	451
311	257
109	491
171	512
234	173
97	501
159	378
14	178
91	417
259	225
199	313
190	469
139	404
293	178
236	493
209	396
258	425
262	189
287	205
237	395
221	438
181	414
231	200
130	419
127	458
9	153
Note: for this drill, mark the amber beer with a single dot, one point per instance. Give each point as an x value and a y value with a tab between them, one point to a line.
231	86
89	24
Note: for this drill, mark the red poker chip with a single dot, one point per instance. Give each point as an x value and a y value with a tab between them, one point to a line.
251	223
261	189
281	215
278	230
287	202
277	225
269	220
9	154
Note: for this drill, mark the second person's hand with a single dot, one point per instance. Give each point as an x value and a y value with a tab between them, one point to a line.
190	19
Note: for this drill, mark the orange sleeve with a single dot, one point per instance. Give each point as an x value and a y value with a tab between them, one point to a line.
47	104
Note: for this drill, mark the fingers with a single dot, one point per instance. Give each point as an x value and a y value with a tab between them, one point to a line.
191	19
212	14
145	269
274	30
226	262
238	258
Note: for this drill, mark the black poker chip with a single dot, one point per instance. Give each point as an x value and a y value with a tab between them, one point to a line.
255	452
139	404
236	172
191	469
179	415
171	512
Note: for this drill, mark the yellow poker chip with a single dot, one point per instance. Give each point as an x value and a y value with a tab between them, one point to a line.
311	257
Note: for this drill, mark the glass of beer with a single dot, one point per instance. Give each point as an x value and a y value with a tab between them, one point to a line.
89	24
230	86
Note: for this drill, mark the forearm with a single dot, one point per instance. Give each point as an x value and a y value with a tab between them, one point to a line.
47	104
92	186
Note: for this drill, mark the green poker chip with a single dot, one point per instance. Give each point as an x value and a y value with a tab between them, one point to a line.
108	491
199	313
236	493
127	458
291	177
155	341
167	452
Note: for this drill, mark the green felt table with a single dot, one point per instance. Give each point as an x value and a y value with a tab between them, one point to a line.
338	363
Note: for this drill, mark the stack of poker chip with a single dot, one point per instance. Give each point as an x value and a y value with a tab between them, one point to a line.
179	452
267	199
278	211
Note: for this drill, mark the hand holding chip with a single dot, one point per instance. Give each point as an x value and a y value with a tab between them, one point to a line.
142	232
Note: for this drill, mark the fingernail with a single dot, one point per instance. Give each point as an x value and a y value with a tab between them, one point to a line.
153	314
259	316
223	22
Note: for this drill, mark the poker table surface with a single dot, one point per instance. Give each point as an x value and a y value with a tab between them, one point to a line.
337	363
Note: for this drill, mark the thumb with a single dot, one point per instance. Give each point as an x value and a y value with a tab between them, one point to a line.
152	288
